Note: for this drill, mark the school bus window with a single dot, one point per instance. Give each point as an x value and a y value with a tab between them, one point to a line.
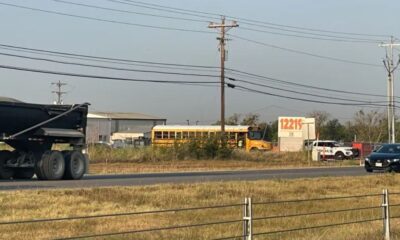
165	135
178	135
185	135
192	134
231	136
157	135
204	135
172	135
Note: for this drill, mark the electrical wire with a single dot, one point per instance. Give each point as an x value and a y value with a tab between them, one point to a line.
103	20
155	7
330	38
246	20
304	53
130	12
103	77
203	75
303	99
303	93
112	62
185	30
233	71
251	75
106	67
106	58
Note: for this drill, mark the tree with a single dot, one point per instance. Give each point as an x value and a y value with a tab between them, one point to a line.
251	119
233	120
333	130
320	119
370	126
272	131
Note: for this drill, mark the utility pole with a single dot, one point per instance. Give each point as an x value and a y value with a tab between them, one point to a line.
390	68
222	40
58	92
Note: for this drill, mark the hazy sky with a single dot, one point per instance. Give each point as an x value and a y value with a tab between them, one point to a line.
177	103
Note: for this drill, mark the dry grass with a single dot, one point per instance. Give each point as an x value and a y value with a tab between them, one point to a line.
155	160
204	165
60	203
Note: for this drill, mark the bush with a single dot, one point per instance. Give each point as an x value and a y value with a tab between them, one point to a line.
194	149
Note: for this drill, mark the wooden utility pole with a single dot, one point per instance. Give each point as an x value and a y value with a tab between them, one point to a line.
224	28
390	67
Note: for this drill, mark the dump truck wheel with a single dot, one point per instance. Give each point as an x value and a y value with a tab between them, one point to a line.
74	165
24	173
51	166
5	172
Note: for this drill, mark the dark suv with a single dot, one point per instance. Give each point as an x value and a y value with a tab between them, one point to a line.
386	158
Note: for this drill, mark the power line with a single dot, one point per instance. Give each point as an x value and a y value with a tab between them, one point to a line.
330	38
243	20
107	58
103	77
130	12
106	67
188	30
302	99
233	71
305	53
251	75
102	20
303	93
112	62
163	8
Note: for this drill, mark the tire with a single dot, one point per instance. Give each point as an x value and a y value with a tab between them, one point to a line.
369	170
5	172
254	149
339	156
51	166
24	173
75	165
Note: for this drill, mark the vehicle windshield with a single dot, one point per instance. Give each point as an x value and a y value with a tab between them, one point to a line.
255	135
389	149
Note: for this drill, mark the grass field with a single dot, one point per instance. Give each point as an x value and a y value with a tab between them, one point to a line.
28	204
165	160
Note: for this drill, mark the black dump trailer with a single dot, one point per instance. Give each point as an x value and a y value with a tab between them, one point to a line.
32	130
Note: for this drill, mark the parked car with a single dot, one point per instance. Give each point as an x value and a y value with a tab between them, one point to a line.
332	149
385	158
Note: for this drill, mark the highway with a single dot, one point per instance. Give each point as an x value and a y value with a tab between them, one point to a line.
140	179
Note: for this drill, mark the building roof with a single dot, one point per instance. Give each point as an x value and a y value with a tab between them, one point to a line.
123	116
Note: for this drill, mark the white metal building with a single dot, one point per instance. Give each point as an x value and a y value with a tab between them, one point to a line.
102	126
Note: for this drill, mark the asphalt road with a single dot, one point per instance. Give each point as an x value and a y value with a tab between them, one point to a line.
183	177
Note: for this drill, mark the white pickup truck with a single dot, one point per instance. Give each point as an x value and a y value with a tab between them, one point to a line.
332	149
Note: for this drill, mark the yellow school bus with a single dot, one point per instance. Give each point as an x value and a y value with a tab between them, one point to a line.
245	137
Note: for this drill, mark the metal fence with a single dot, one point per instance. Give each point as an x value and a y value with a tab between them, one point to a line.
247	220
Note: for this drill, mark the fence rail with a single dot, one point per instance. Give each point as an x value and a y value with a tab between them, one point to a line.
246	220
119	214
